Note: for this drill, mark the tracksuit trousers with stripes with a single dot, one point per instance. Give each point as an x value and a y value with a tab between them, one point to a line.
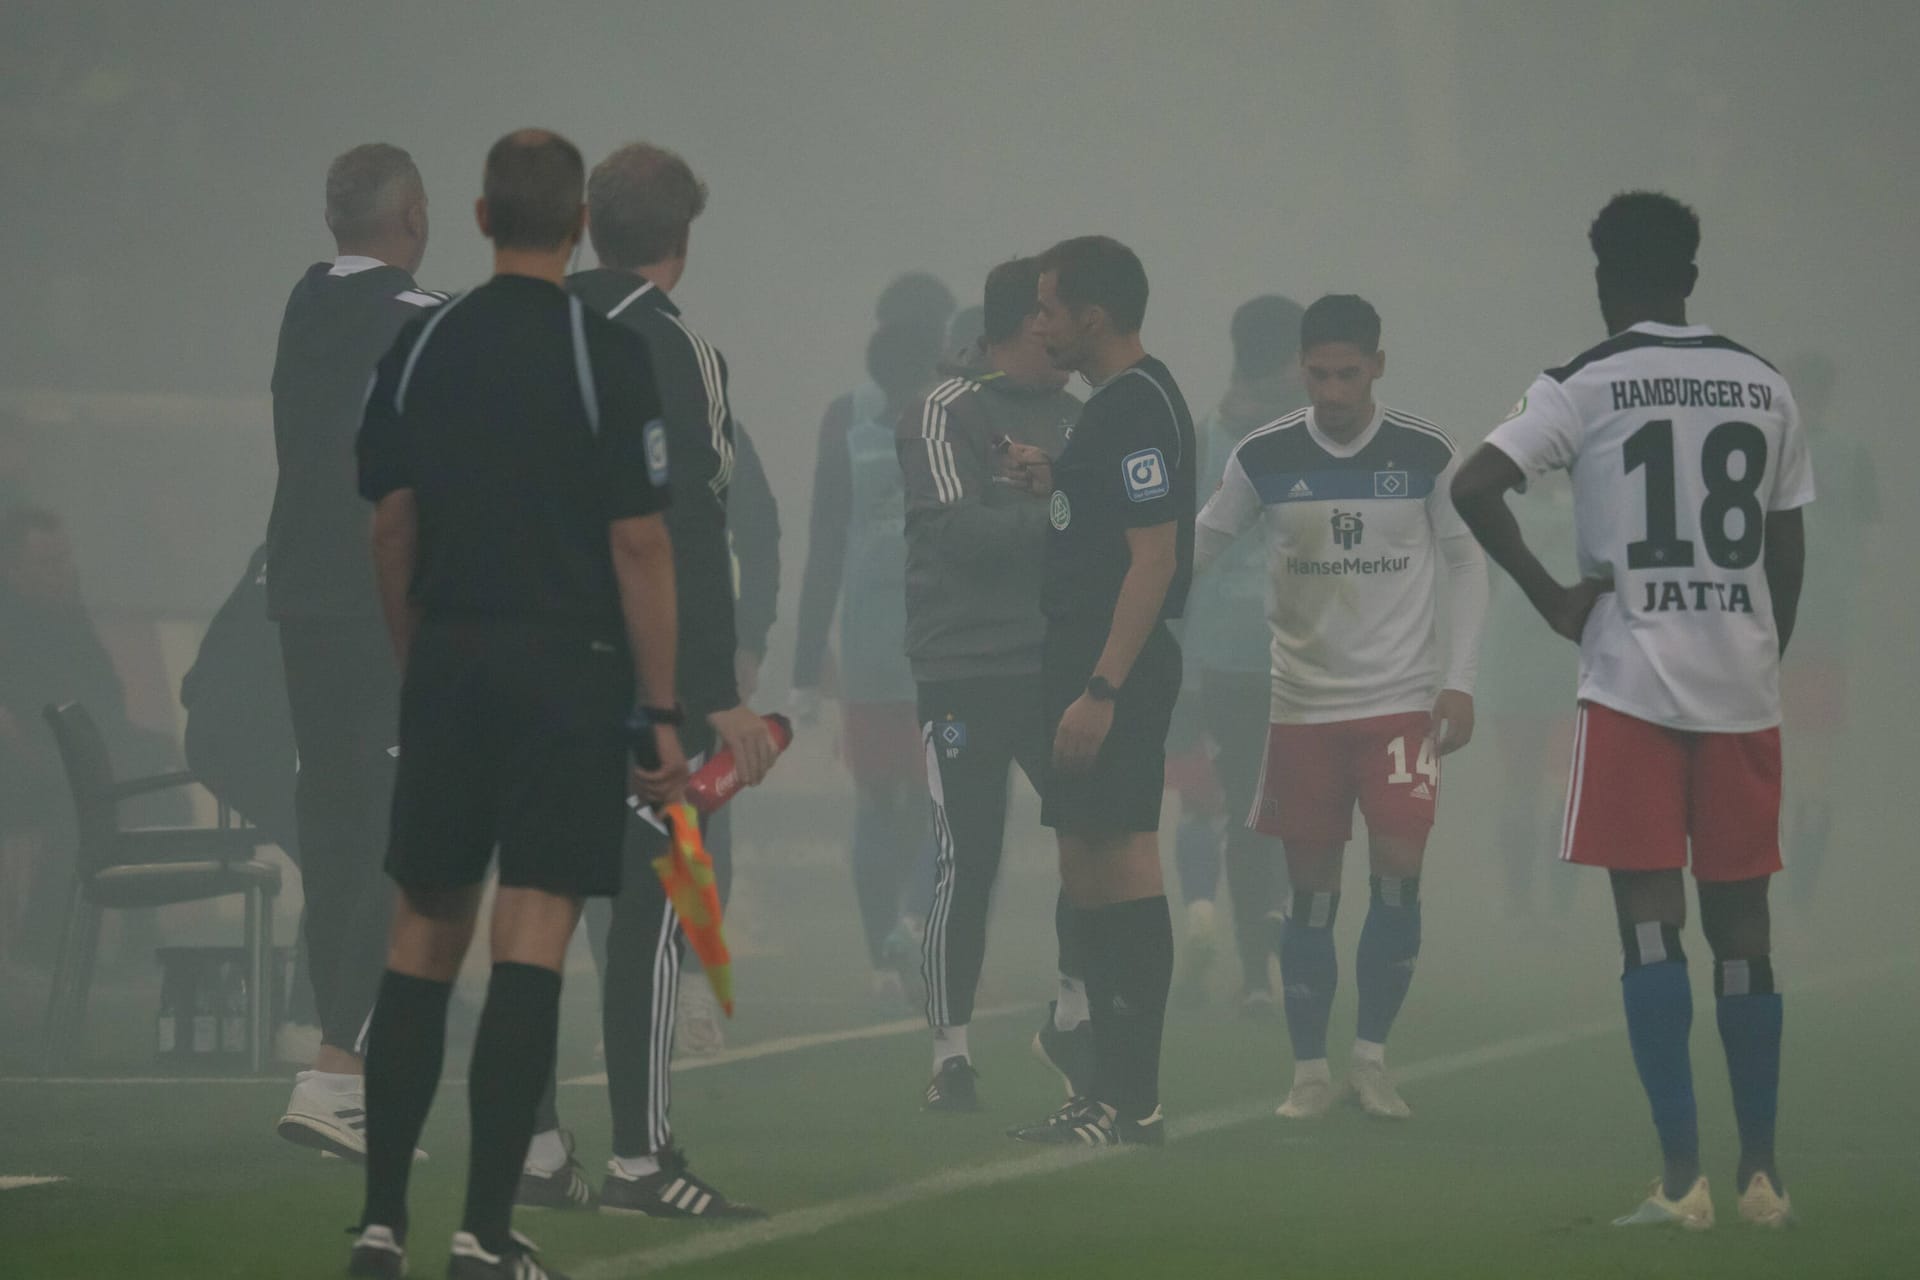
637	946
973	731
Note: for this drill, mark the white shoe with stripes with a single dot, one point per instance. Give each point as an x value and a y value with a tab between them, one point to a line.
518	1261
334	1123
673	1192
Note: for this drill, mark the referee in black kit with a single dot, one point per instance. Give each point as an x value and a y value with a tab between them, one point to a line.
1118	563
513	447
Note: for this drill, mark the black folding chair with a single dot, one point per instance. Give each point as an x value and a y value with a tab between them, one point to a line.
118	868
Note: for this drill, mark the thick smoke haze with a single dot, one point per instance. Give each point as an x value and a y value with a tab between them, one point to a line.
161	189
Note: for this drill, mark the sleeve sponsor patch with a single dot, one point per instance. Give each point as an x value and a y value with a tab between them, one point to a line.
1146	475
655	436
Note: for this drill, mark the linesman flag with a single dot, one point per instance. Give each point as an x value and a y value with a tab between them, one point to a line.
686	872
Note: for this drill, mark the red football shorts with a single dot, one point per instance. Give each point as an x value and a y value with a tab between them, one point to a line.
1640	792
1315	773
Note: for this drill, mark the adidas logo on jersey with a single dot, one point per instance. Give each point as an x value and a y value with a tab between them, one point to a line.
1423	792
1301	489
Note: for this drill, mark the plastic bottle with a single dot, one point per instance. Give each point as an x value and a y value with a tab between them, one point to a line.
718	779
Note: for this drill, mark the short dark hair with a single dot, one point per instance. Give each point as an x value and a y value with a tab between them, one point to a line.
901	356
1646	240
1012	294
1341	317
1099	271
363	188
1266	335
640	202
916	297
533	189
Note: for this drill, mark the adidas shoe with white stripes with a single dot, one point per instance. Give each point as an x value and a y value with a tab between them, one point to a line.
673	1192
1093	1124
954	1087
562	1188
518	1261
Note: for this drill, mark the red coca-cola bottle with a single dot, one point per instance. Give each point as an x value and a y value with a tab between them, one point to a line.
718	779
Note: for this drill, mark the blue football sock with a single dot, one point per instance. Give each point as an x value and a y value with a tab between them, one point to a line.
1748	1009
1659	1005
1389	944
1309	971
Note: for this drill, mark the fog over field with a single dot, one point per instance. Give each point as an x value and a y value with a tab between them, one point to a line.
163	190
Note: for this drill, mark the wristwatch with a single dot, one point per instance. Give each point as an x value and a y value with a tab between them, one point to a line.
1101	689
673	716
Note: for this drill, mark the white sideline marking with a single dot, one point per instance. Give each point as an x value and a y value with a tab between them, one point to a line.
746	1053
13	1182
812	1221
806	1222
812	1040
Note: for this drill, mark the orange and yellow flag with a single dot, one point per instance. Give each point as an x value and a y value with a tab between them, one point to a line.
686	872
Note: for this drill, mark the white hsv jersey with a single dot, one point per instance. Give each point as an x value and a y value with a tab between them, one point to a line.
1355	538
1680	442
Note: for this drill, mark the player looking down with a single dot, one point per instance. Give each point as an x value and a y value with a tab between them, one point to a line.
1690	470
1367	694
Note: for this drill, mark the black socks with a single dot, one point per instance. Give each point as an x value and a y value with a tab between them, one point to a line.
405	1047
1128	951
512	1060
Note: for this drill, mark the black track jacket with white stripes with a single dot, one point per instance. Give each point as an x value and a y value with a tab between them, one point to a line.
692	380
974	545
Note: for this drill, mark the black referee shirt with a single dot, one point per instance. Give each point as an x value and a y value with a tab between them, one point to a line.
1128	464
483	410
340	318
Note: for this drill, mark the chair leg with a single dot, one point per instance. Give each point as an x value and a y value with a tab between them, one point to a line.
89	950
259	961
53	1034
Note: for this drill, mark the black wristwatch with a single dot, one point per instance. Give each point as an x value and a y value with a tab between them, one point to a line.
1101	689
673	717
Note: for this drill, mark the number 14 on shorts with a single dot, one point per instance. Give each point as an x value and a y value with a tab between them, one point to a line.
1424	763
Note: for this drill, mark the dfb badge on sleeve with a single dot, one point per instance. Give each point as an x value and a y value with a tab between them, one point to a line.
654	435
1146	475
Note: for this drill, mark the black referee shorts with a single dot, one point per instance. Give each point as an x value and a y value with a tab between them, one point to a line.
1122	791
511	736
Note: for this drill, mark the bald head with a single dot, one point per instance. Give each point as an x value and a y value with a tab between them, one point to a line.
372	191
533	191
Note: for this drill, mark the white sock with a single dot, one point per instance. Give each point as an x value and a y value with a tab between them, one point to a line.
1369	1052
1070	1010
948	1042
332	1081
1311	1071
547	1153
635	1166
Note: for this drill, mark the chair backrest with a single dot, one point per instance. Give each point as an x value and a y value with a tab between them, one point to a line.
83	753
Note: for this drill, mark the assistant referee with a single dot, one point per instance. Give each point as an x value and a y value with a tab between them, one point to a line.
512	445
